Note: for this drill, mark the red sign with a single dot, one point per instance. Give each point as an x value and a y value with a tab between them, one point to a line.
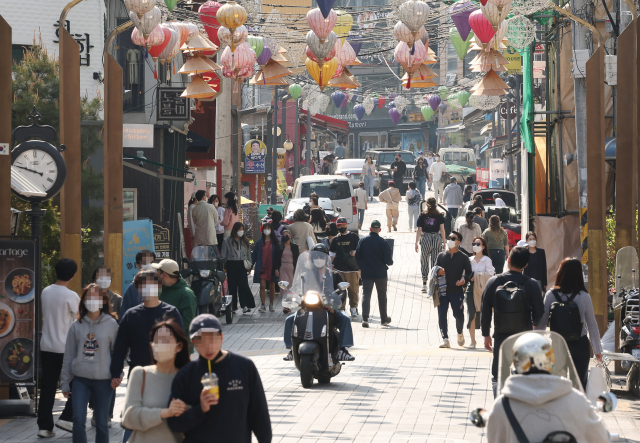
214	81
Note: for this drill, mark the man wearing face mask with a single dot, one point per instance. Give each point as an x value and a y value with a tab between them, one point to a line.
398	168
136	323
343	254
456	267
175	291
131	297
436	171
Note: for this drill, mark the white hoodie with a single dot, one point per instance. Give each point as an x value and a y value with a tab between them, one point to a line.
543	404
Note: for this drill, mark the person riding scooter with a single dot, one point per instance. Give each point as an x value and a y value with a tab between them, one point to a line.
342	320
536	404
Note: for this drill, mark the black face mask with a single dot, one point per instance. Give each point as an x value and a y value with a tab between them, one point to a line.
342	230
285	238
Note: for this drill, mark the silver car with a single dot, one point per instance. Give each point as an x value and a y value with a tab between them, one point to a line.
352	169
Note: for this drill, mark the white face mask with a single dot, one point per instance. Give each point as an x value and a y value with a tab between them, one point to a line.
319	262
103	282
149	292
451	244
267	232
93	305
532	243
240	233
477	249
146	267
163	352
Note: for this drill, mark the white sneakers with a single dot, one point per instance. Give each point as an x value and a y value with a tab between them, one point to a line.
445	343
65	425
460	340
42	433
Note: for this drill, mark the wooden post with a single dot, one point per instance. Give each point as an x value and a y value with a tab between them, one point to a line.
70	136
596	187
5	128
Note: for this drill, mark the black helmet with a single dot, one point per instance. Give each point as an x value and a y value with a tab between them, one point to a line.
321	247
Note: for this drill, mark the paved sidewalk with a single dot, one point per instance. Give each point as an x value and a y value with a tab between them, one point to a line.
400	388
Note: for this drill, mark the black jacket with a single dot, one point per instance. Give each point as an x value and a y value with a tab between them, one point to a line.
402	167
531	287
373	256
537	267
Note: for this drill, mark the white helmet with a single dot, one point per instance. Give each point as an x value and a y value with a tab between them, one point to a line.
532	354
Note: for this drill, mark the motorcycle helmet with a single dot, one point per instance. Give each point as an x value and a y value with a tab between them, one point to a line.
532	354
321	247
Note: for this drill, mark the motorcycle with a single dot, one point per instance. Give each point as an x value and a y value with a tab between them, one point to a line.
314	335
563	367
205	268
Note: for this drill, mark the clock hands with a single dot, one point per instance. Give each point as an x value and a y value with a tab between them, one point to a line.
30	170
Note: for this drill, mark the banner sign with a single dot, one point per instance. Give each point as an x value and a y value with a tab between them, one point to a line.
136	236
17	310
162	240
497	172
256	154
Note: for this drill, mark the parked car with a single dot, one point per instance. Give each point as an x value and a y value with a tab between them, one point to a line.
383	159
352	169
509	215
461	162
299	203
336	188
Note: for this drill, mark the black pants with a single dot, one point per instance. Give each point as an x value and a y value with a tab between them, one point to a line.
497	342
581	354
52	366
367	289
239	285
457	307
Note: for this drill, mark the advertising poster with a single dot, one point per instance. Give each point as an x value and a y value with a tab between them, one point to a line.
256	154
136	236
497	172
162	240
17	310
412	142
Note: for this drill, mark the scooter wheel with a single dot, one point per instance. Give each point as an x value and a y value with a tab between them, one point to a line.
633	380
306	377
228	315
324	380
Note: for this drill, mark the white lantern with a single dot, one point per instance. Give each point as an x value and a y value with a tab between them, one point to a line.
140	7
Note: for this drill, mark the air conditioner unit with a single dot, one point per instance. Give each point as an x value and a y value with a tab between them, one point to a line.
611	69
580	57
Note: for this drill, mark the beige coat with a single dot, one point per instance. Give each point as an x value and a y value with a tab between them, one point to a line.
391	196
368	168
205	219
300	232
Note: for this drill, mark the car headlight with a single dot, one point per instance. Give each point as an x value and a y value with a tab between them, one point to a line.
312	298
204	273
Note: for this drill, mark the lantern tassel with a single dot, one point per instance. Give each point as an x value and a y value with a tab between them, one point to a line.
409	82
155	72
146	52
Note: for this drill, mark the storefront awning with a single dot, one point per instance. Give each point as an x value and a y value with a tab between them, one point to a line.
485	128
197	143
23	185
324	122
455	127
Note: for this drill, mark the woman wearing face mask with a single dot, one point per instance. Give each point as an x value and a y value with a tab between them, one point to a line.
236	250
215	201
469	231
102	277
289	253
149	387
87	359
482	268
266	256
497	242
230	217
537	267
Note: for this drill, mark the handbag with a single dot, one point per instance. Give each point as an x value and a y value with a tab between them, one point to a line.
247	263
144	380
597	383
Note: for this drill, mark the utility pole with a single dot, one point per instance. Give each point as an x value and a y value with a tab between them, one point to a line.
580	36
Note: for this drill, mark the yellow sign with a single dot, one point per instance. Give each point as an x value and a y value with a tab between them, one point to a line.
282	182
281	160
515	60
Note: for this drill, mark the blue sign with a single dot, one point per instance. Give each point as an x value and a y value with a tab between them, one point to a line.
136	236
255	160
413	142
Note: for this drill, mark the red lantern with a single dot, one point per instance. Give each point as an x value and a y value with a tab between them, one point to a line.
155	51
481	26
381	102
207	13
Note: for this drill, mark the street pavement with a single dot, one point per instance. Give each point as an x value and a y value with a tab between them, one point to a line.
400	388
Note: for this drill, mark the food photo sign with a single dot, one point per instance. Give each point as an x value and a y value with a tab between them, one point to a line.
17	310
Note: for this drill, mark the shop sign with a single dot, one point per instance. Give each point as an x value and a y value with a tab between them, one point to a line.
162	240
497	172
17	310
513	110
136	236
171	106
137	136
83	41
281	161
255	157
515	60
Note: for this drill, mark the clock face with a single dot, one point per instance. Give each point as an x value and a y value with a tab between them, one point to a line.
39	167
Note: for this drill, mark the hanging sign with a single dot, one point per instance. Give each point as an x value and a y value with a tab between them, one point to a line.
171	106
17	310
162	240
256	154
497	172
513	110
136	236
137	136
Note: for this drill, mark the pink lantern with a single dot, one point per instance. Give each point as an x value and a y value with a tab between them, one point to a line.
321	26
338	72
173	39
404	34
156	37
402	54
244	56
193	31
226	60
481	26
137	38
347	55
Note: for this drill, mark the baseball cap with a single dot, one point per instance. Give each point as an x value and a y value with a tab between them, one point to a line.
341	221
204	323
496	195
376	224
168	266
270	208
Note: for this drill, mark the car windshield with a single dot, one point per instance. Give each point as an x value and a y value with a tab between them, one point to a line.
389	157
334	189
351	164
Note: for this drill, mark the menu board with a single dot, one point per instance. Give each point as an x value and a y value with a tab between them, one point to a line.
17	310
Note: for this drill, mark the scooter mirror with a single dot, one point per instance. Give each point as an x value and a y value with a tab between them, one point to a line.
185	261
477	418
607	402
343	286
284	285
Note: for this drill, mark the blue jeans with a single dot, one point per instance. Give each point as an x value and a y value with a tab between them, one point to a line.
101	391
126	436
420	182
360	216
413	216
457	306
343	323
368	185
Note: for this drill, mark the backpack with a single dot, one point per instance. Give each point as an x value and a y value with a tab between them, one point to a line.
564	318
512	307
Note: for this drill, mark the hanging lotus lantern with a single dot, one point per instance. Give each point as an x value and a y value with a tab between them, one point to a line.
404	34
414	14
481	27
193	31
359	111
427	112
356	43
139	7
231	15
495	14
460	12
343	25
485	61
155	38
207	14
321	74
239	35
491	84
148	22
443	91
395	115
347	55
169	48
320	25
295	90
463	98
321	49
156	50
256	43
338	97
434	101
338	72
182	32
461	46
264	57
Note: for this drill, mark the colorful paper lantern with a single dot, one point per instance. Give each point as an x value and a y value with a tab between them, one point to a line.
338	97
148	22
427	112
414	14
295	90
481	26
381	102
463	98
356	43
321	75
359	111
231	15
140	7
461	46
321	48
256	43
460	12
395	115
170	4
207	14
443	107
325	7
265	56
495	14
343	25
156	50
168	49
434	101
320	25
344	102
347	55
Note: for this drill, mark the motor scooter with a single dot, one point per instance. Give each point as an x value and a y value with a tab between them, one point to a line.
314	336
205	267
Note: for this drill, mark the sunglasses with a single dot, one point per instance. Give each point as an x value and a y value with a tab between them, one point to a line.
453	238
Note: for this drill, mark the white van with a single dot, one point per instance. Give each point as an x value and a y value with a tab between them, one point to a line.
334	187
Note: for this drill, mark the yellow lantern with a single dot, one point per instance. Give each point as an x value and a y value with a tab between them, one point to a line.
322	75
231	16
343	25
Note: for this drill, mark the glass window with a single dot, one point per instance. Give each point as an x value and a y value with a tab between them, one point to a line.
464	156
335	189
407	157
447	157
129	204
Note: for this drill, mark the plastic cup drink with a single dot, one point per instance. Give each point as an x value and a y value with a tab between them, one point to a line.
210	382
